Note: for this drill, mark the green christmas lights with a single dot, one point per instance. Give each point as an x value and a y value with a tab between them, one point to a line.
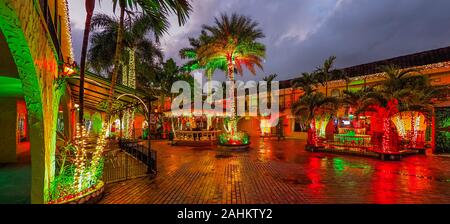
238	138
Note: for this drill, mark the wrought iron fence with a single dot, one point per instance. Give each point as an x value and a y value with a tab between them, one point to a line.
120	166
141	153
128	162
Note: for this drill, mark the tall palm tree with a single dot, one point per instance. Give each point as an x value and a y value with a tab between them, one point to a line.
157	12
269	79
136	45
89	5
168	75
306	82
193	63
311	105
326	73
233	43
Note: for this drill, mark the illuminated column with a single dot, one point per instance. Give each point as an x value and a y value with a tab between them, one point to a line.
124	74
132	69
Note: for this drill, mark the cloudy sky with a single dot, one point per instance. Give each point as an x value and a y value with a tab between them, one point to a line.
300	34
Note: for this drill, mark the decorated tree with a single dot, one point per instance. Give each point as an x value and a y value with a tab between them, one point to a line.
156	12
232	41
327	72
309	107
404	92
135	42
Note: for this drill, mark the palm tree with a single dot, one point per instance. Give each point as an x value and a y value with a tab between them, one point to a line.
233	42
157	12
402	90
161	84
326	73
90	5
270	77
311	105
400	82
306	82
193	63
269	80
136	44
357	100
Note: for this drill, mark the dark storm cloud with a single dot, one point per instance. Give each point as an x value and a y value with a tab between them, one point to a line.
300	34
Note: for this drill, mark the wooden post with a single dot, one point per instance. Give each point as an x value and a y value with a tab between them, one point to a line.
120	125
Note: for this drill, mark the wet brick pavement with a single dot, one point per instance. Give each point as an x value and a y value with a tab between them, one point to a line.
273	172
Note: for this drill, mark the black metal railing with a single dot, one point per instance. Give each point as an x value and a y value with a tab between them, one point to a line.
120	166
141	153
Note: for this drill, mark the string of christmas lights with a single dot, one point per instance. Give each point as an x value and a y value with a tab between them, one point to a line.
80	156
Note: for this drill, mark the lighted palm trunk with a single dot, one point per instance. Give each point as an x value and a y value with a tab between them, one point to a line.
119	45
230	45
90	5
384	114
312	138
233	120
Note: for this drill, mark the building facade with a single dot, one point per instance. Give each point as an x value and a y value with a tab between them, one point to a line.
435	64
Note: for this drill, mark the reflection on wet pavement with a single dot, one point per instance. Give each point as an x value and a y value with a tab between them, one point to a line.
283	172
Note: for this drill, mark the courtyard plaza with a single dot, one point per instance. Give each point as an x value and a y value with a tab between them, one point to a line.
282	172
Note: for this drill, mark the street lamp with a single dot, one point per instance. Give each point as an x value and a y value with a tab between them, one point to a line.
69	69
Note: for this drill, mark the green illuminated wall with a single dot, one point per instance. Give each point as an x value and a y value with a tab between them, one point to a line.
37	66
10	87
443	130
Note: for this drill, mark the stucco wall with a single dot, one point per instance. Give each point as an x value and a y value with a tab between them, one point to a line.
38	85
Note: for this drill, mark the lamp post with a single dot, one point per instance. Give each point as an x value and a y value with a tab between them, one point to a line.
149	169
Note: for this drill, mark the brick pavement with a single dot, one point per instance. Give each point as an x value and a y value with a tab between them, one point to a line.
282	172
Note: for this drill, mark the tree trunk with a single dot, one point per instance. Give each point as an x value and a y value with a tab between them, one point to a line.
312	136
386	144
119	46
90	5
132	68
233	103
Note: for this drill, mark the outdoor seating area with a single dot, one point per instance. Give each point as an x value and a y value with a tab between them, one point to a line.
363	135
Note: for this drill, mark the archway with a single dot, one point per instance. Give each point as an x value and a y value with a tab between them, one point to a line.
15	39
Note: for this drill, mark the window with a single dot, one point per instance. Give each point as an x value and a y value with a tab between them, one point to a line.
335	93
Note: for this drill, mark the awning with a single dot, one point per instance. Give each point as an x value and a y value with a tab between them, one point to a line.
96	91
